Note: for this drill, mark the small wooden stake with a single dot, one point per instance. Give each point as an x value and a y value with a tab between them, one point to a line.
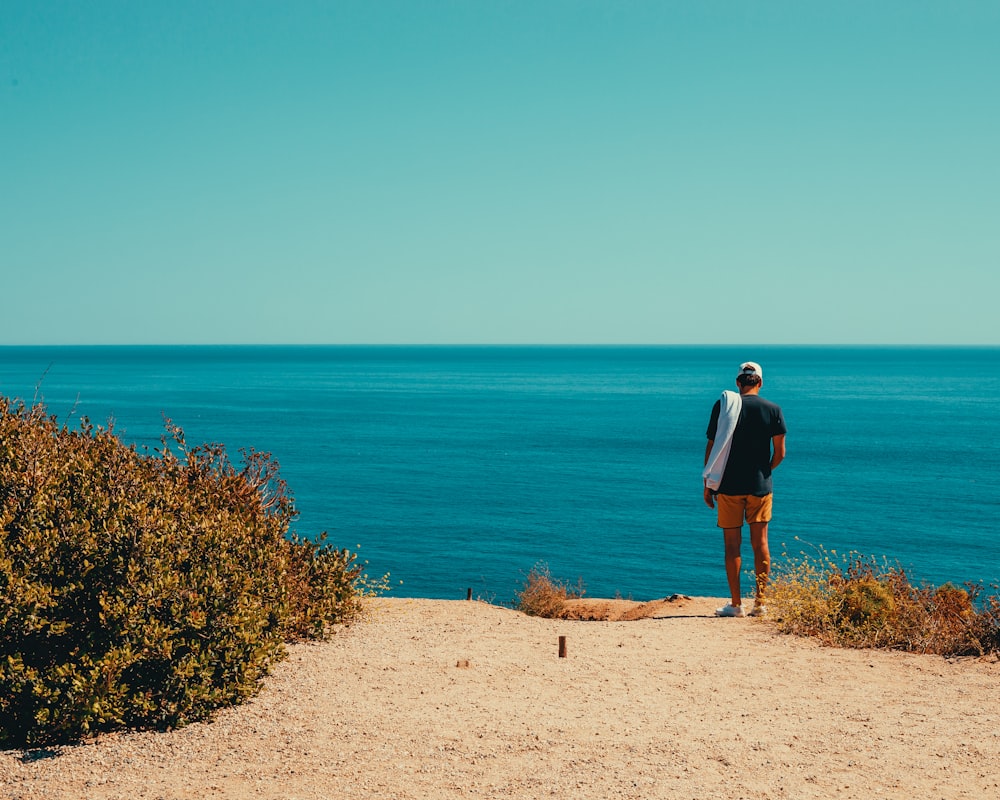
468	595
562	647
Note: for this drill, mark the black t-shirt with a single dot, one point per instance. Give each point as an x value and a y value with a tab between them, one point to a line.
748	469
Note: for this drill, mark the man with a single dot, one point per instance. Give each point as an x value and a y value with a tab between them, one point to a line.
746	441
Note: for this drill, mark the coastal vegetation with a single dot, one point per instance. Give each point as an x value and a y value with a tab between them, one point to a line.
545	596
853	601
146	589
861	601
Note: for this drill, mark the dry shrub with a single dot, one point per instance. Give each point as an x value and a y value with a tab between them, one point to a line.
859	601
543	595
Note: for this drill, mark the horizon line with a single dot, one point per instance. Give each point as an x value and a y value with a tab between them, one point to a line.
501	344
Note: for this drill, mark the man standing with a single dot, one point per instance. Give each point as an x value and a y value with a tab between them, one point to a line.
746	441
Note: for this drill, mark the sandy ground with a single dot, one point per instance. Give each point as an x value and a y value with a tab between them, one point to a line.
460	699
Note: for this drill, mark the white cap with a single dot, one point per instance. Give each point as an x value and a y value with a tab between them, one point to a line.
751	368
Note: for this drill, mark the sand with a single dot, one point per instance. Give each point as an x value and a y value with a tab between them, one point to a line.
462	699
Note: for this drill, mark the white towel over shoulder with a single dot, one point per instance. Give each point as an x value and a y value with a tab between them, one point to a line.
730	406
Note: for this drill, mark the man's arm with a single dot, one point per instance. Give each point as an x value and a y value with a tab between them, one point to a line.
707	495
778	444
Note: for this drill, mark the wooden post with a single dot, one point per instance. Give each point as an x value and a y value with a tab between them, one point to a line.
468	594
562	647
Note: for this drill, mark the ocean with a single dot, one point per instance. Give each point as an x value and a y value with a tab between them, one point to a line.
456	468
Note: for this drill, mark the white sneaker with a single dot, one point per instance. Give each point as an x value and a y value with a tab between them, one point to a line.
759	610
729	610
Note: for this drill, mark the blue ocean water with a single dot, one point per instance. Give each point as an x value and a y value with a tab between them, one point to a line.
462	467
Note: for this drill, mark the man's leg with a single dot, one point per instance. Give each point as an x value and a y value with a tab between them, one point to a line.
761	556
733	538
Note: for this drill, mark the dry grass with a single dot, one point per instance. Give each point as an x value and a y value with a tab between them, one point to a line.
545	596
859	601
852	601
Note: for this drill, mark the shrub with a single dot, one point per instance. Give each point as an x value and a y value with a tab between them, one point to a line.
858	601
866	603
544	596
144	590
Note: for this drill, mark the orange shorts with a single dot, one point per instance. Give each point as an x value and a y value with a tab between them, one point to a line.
733	508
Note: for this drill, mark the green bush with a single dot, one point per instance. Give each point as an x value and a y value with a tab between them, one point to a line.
145	590
867	602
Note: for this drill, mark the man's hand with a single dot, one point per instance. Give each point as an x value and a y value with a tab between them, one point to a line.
709	498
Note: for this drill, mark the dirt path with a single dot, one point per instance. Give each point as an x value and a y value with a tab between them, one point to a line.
445	699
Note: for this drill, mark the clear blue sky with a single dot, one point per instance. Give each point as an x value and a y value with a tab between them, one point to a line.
500	172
